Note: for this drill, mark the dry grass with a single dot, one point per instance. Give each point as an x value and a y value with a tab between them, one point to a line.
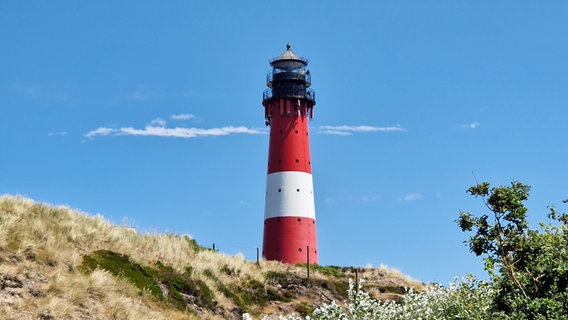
42	248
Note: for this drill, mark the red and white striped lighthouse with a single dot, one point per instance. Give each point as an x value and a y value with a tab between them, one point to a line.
289	213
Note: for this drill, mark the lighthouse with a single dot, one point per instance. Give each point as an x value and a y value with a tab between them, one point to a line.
289	212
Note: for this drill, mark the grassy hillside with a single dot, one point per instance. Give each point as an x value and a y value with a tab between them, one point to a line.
57	263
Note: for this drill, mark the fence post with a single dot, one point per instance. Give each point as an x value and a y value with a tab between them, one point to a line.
356	279
308	260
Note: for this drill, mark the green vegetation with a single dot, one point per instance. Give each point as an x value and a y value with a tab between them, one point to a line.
333	271
466	299
232	272
336	287
288	280
529	268
304	309
528	271
121	265
251	295
162	282
194	245
280	277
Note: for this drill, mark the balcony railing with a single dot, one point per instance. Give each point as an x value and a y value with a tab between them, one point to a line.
276	76
289	92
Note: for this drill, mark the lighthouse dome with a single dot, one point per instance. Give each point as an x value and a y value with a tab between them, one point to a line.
288	60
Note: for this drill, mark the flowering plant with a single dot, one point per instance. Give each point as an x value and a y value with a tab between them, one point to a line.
468	298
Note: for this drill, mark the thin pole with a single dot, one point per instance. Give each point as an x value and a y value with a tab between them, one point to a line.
308	261
257	257
356	280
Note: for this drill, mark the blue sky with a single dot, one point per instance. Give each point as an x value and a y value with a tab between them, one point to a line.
150	114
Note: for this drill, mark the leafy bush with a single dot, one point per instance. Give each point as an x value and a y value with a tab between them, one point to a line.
529	268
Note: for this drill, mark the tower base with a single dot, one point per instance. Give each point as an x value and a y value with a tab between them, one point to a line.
290	240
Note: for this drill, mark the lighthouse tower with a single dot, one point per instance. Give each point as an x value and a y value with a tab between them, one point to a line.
289	213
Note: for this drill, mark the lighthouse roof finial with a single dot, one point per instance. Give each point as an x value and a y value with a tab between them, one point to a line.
289	60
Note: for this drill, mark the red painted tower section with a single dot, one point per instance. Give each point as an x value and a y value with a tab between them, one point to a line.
289	214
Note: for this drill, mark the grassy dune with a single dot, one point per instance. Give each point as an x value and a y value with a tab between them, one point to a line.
58	263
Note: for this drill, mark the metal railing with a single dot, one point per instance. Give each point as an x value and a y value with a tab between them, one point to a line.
289	92
301	75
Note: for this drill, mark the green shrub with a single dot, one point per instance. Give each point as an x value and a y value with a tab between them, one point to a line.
333	271
304	309
181	288
122	266
194	245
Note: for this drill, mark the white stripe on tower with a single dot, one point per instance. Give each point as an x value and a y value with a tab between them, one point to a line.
289	194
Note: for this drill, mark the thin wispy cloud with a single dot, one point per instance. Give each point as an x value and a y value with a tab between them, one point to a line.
182	117
100	132
412	197
160	131
158	122
370	198
472	125
335	132
55	134
349	130
158	128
